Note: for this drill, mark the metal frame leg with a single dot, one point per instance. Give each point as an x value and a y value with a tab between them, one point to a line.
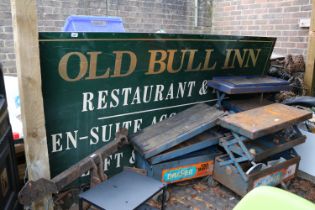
245	155
80	204
237	165
220	97
163	198
240	141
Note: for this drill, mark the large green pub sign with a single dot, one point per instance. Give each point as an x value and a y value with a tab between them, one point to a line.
95	83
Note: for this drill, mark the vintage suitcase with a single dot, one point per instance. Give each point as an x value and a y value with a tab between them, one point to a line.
180	148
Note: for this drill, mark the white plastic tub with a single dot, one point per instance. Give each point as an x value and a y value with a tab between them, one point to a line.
307	152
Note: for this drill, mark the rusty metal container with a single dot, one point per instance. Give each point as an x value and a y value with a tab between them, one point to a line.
272	175
259	149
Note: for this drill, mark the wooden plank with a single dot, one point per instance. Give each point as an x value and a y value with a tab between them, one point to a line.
310	61
156	129
24	18
310	64
264	120
173	131
201	141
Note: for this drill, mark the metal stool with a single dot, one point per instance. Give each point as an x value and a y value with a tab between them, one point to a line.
124	191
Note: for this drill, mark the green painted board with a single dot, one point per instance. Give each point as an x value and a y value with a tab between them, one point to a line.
94	83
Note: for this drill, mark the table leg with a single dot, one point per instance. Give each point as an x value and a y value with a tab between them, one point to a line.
80	204
163	198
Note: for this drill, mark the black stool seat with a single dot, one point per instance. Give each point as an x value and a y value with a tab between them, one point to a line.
124	191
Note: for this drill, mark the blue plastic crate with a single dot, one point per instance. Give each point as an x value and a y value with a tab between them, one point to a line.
78	23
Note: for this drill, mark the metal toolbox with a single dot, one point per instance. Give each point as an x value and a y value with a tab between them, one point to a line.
181	147
272	175
190	166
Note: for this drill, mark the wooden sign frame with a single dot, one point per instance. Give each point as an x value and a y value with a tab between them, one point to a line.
24	18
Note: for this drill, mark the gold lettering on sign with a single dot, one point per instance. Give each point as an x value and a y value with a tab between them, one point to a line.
227	58
191	60
207	61
170	61
93	67
153	61
236	57
118	62
253	57
240	58
63	66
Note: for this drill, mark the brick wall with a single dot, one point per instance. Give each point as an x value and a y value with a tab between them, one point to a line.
276	18
173	16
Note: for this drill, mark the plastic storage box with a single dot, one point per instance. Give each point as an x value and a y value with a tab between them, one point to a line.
78	23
